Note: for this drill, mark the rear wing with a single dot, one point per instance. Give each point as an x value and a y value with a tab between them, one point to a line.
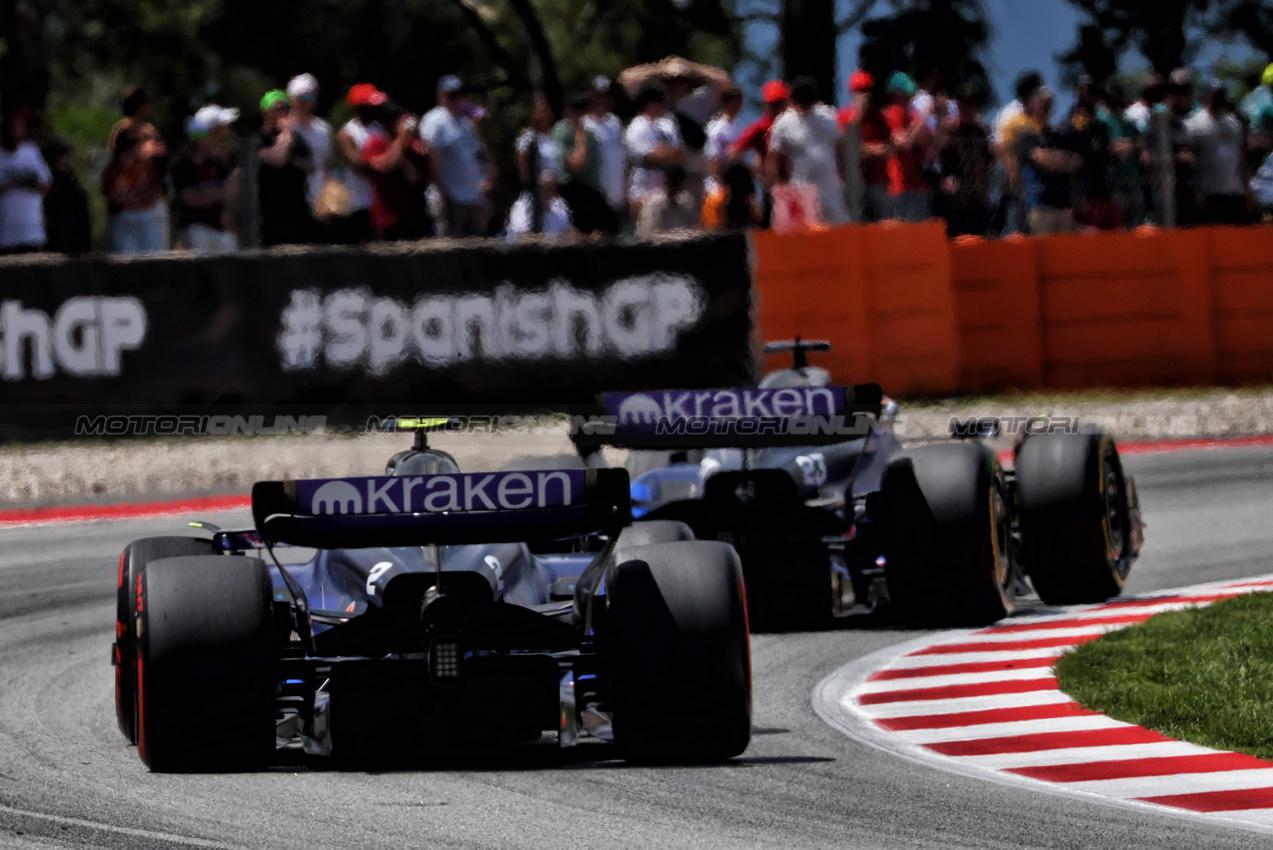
414	510
736	418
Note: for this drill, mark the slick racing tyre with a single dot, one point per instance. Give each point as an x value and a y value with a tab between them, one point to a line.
680	660
1075	523
134	559
205	664
638	534
943	519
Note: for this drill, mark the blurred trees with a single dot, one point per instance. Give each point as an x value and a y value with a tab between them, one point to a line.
1167	32
941	39
233	51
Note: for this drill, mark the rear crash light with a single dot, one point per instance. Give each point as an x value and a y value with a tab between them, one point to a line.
444	660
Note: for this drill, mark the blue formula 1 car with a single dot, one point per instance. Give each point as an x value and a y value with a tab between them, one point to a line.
425	622
832	515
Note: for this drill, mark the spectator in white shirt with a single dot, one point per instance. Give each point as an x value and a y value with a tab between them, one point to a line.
24	180
722	132
653	142
302	91
536	149
803	146
555	216
1219	144
606	126
669	208
1151	94
693	95
460	158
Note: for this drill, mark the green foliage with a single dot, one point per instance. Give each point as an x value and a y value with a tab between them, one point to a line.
1202	675
86	128
1167	32
232	51
926	37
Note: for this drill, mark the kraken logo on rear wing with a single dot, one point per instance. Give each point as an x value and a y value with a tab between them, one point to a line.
737	418
410	510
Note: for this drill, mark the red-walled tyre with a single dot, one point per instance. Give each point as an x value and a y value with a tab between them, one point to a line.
132	562
206	664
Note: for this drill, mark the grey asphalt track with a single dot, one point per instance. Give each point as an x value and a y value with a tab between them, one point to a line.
67	779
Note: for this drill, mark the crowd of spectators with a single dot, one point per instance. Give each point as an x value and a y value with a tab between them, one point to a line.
1181	153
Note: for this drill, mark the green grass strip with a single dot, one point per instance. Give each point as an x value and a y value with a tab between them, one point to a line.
1203	675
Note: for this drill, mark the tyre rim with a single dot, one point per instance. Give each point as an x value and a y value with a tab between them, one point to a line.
1113	514
998	519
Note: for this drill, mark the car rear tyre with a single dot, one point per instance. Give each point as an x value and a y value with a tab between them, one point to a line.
680	653
1075	524
943	517
134	559
205	664
642	533
654	531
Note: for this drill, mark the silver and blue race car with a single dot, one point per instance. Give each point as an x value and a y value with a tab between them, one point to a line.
437	611
832	515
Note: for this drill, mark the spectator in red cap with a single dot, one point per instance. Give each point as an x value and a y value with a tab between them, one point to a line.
850	119
365	100
755	139
860	85
752	145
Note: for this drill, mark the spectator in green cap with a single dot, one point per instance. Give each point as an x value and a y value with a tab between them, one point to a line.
284	161
273	98
910	137
901	83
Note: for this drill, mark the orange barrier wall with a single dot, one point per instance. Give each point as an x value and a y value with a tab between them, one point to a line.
914	335
813	285
1125	309
995	284
1241	261
880	294
923	315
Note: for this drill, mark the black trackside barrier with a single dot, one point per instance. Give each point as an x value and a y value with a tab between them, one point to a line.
513	506
436	322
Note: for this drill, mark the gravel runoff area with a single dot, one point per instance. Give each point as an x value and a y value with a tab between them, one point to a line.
54	473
